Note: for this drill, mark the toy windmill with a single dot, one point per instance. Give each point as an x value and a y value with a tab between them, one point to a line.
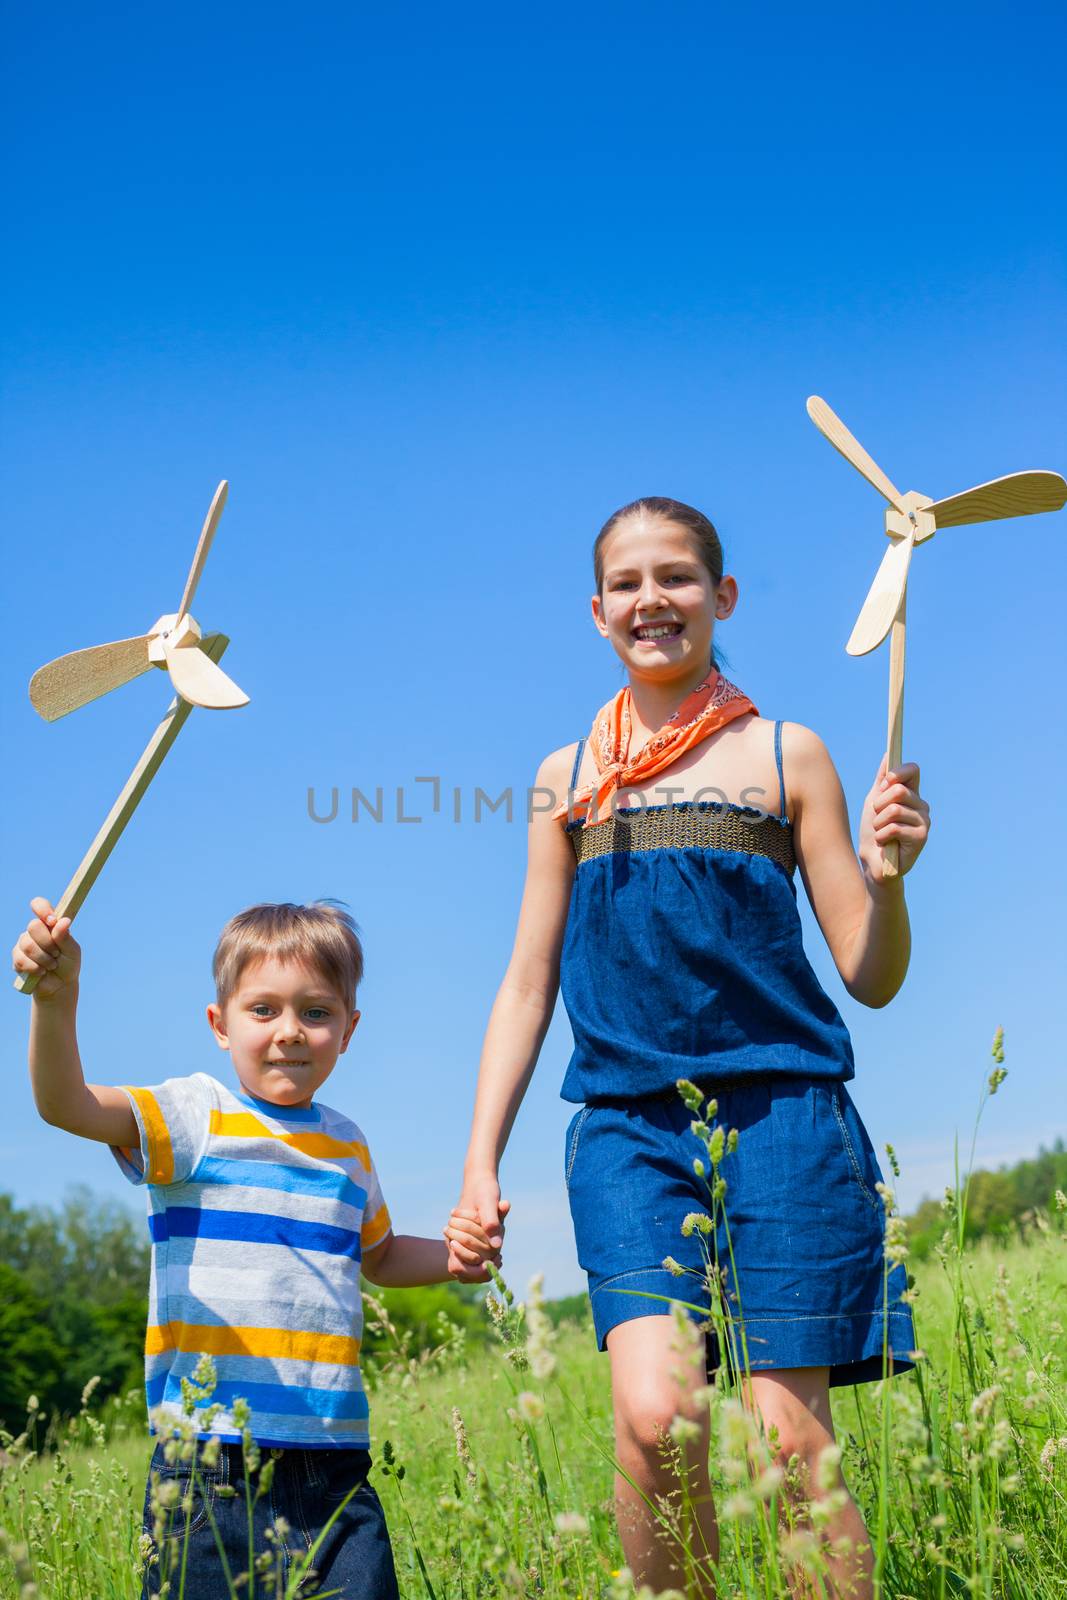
174	644
911	519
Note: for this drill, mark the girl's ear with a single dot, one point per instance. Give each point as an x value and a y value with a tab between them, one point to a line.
726	597
598	617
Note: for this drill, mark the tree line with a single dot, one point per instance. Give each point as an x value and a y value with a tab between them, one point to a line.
74	1286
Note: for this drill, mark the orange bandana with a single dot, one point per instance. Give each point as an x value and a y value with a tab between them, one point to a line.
710	706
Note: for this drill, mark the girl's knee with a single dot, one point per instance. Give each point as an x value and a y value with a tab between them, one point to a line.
796	1417
810	1459
646	1417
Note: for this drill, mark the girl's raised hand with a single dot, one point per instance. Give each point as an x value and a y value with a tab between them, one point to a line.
49	950
894	809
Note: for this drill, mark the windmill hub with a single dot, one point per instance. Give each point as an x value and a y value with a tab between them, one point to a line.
914	519
170	633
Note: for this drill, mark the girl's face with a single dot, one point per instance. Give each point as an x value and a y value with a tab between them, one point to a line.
658	604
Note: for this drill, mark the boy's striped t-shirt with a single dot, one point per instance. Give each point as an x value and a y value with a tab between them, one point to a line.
259	1215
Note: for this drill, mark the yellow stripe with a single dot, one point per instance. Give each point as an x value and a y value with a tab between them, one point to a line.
160	1151
279	1344
374	1231
245	1125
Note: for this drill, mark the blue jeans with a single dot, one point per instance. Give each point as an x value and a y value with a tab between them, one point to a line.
354	1559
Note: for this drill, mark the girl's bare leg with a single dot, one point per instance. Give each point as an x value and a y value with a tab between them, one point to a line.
656	1365
796	1402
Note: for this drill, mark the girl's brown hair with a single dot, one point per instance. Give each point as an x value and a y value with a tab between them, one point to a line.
706	543
321	935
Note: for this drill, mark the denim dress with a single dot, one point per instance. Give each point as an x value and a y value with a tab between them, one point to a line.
683	959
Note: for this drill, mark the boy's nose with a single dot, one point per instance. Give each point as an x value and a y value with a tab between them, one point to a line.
289	1027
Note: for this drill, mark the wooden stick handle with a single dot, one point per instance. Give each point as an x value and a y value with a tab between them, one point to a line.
895	741
73	897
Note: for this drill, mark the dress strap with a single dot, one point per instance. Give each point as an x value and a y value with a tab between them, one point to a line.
782	813
578	754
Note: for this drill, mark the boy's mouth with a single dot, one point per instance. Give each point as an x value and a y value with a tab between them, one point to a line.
651	631
284	1063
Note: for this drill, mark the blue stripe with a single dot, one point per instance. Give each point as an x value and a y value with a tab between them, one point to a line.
358	1439
326	1182
312	1113
273	1399
252	1227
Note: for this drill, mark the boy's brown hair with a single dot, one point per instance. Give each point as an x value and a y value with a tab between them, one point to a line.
321	935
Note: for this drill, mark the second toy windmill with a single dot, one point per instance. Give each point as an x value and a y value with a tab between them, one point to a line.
176	645
912	519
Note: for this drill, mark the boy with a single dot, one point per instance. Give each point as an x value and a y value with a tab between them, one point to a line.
264	1205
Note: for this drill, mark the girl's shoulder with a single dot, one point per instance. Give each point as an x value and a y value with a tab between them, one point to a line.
556	769
802	744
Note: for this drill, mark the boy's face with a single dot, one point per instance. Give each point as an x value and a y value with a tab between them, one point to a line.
284	1026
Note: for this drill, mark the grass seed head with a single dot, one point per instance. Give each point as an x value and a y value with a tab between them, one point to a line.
531	1407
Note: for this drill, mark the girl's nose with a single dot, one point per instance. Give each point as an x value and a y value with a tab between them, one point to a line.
651	596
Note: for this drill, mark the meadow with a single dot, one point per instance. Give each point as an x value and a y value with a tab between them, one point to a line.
494	1460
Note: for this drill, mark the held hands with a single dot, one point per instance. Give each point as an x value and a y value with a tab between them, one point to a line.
475	1231
48	950
894	809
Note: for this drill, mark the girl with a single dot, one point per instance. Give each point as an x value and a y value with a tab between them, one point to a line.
660	897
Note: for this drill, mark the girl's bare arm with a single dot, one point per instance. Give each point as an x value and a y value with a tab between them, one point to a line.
524	1003
863	916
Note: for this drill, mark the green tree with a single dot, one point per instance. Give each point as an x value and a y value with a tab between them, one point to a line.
32	1361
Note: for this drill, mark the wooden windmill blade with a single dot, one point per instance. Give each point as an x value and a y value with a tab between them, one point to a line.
71	681
203	545
199	681
833	429
883	599
1020	494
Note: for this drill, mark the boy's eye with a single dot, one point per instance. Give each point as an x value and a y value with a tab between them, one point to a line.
317	1013
261	1009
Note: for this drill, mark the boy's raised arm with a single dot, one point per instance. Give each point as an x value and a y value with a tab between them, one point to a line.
63	1097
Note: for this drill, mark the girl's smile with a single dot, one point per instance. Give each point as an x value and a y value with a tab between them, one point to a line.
657	632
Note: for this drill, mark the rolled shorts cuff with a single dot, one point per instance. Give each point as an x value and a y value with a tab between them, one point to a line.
645	1292
856	1347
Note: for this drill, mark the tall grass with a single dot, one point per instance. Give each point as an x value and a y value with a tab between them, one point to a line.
496	1464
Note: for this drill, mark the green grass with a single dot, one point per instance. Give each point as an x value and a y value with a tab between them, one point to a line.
495	1461
523	1507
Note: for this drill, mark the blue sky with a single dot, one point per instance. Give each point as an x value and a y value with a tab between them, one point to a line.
436	291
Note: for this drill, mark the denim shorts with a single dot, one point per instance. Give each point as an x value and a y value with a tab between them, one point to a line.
353	1562
798	1236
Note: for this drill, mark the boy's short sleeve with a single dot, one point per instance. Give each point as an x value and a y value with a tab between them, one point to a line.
174	1120
376	1221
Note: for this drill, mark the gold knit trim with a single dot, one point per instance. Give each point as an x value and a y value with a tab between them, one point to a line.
689	827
